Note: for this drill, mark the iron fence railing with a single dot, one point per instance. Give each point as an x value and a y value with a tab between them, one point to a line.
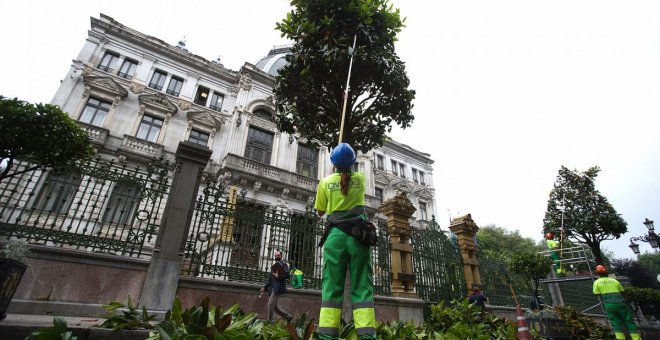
106	206
498	281
577	292
234	239
437	265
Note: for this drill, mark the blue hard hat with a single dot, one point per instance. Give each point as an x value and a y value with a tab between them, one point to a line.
343	156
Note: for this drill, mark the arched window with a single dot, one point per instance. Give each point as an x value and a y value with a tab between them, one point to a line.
263	114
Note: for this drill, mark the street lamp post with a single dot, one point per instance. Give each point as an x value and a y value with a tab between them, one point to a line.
651	238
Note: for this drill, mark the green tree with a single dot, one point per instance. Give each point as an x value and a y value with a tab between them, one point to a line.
532	266
650	261
639	275
497	242
41	134
588	217
310	88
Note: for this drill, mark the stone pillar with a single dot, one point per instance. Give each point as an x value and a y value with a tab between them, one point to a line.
466	231
162	278
398	210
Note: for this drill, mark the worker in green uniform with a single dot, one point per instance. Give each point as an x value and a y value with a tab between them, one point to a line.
553	246
616	308
341	196
296	278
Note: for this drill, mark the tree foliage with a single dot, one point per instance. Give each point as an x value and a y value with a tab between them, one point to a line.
639	275
650	261
310	88
40	134
497	242
532	266
588	217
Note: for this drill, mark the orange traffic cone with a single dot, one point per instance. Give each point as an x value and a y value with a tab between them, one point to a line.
523	331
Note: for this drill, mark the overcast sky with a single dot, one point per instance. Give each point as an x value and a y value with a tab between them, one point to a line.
507	91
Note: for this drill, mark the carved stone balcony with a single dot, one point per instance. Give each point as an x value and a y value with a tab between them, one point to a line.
96	134
266	173
141	147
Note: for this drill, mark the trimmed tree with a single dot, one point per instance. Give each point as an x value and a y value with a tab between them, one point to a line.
310	88
497	242
533	267
588	217
42	135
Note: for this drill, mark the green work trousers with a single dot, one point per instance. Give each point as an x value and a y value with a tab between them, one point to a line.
619	315
341	252
296	281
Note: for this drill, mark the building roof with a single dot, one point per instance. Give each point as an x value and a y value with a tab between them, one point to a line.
275	60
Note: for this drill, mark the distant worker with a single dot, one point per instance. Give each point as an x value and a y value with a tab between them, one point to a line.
296	278
478	298
617	309
553	246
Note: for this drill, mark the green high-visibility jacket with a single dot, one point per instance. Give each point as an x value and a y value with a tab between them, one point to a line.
609	290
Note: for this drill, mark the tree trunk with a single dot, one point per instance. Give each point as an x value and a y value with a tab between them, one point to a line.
595	250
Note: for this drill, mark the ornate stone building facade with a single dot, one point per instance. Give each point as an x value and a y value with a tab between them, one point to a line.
138	97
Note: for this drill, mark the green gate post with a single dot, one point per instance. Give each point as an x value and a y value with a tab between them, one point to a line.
399	210
162	278
466	231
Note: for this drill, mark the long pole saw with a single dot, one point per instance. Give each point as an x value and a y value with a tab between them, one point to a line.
348	79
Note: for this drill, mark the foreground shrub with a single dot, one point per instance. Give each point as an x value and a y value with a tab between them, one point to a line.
582	326
462	320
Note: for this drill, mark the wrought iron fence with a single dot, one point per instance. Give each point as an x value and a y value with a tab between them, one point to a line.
498	282
234	239
106	206
577	292
437	265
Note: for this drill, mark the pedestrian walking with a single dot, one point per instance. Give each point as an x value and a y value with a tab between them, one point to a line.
276	284
478	298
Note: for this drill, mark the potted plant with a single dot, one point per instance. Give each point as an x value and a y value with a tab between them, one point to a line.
13	261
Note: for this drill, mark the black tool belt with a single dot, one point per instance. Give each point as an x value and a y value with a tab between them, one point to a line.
363	230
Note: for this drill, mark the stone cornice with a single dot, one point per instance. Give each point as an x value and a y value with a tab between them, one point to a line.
111	27
258	75
408	151
158	101
105	84
206	118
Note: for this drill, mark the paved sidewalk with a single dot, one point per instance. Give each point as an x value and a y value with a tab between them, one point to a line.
18	326
39	321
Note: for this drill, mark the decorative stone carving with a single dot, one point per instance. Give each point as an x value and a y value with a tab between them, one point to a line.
245	82
104	85
398	210
158	101
270	101
184	104
256	187
87	70
137	88
205	118
263	124
283	199
465	230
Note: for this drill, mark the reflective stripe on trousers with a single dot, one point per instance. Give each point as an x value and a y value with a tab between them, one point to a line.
341	252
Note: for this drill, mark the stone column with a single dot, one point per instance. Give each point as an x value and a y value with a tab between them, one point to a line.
398	210
162	279
466	230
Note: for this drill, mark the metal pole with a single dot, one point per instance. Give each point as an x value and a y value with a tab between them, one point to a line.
561	234
348	79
